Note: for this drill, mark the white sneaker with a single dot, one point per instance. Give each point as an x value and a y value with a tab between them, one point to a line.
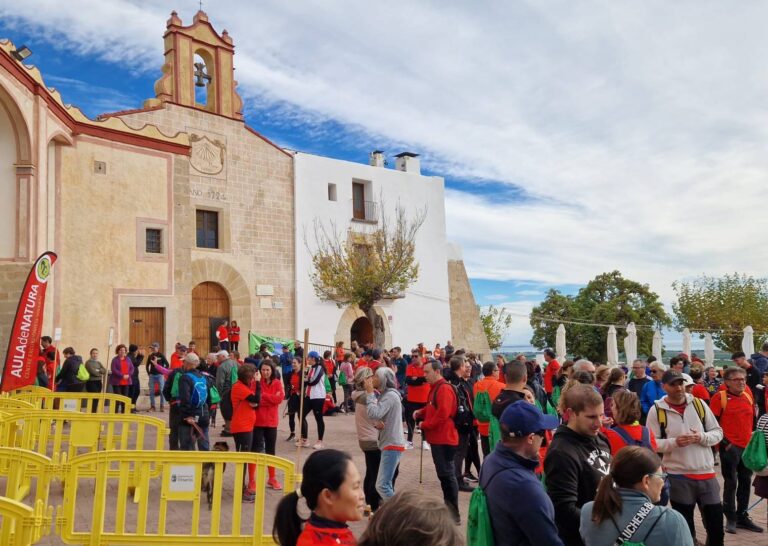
318	445
408	445
425	446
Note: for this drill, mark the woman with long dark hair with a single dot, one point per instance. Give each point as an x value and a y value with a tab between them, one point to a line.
331	487
314	399
625	497
267	417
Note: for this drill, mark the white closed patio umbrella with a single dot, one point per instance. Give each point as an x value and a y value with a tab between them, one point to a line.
630	344
613	347
560	343
709	350
656	348
687	342
748	342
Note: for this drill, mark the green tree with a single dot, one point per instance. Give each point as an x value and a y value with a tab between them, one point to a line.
728	303
607	299
495	323
363	268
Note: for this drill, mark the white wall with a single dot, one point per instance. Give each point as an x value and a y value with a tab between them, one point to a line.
7	187
424	314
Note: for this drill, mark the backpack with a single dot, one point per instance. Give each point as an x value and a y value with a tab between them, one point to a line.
342	379
82	373
755	456
482	407
724	400
225	403
479	527
494	432
661	413
215	396
199	394
644	441
463	417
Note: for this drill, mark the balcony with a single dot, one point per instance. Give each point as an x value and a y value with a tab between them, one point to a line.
365	211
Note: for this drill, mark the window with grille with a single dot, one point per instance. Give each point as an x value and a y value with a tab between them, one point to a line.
207	229
154	241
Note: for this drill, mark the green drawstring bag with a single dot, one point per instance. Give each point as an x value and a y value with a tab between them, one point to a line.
479	529
327	384
755	456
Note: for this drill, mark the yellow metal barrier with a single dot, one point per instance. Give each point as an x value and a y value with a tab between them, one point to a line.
76	401
107	517
21	525
8	403
20	467
50	432
30	388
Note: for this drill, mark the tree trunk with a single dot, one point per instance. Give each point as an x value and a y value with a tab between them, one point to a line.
378	326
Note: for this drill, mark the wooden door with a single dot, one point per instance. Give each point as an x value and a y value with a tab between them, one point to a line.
147	326
358	201
209	300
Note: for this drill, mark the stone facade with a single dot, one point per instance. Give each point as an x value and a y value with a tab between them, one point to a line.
466	328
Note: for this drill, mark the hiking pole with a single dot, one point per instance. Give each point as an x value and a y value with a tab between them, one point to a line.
110	340
755	505
301	399
421	460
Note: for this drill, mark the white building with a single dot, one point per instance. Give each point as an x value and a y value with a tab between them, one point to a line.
350	195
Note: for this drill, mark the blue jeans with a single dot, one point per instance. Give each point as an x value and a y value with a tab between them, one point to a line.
390	459
153	380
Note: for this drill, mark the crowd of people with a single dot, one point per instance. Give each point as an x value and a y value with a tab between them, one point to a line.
599	453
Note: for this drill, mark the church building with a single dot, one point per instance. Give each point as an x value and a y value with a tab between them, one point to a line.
176	216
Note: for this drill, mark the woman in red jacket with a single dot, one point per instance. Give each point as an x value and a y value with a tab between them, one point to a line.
265	427
331	487
245	396
234	336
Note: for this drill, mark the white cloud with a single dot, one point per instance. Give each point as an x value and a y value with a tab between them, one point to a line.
638	131
496	297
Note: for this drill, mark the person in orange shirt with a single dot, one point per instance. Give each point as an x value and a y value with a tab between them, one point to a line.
178	356
339	353
437	353
417	393
489	384
222	335
698	389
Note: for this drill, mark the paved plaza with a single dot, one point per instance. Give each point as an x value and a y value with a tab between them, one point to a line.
340	434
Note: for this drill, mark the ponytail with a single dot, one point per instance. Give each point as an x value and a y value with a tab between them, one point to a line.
287	526
607	500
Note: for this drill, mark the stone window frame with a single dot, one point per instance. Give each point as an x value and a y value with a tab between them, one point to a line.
142	225
225	239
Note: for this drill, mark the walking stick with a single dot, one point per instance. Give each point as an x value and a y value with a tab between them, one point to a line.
301	399
110	339
421	460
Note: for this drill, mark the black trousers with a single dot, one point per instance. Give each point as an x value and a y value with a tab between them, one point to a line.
243	440
410	422
485	444
315	406
712	517
94	387
736	481
460	455
120	389
372	462
442	457
332	381
264	440
473	455
174	422
287	383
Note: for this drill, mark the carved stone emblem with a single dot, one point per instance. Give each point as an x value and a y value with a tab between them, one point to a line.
207	155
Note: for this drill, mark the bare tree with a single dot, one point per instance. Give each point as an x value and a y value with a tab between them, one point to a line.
364	268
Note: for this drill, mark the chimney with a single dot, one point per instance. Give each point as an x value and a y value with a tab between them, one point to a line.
376	159
408	163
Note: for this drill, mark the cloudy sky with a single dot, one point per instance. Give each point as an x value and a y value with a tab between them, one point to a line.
575	138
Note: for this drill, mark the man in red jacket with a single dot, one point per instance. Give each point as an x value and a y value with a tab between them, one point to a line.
440	431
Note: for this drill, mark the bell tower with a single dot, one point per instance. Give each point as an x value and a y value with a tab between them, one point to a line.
199	69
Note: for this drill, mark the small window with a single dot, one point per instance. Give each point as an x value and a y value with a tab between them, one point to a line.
207	229
331	192
154	241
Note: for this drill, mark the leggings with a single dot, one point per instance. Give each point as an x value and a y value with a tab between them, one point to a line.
410	407
264	439
243	440
332	380
473	456
316	407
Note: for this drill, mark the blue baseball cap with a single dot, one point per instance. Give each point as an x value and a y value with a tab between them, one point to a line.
522	418
313	354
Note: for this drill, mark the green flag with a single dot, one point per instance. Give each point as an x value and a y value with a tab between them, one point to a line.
274	344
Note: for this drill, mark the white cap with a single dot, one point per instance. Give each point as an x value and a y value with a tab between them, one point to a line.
687	380
223	353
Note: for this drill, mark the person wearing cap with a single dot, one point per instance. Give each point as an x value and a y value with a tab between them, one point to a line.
510	467
734	409
193	426
178	356
578	457
686	439
314	398
155	361
226	376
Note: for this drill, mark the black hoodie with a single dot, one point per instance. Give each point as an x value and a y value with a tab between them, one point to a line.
574	466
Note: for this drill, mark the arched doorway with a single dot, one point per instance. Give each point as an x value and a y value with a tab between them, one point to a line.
361	331
210	306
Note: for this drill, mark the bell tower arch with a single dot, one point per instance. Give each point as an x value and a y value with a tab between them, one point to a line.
199	64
